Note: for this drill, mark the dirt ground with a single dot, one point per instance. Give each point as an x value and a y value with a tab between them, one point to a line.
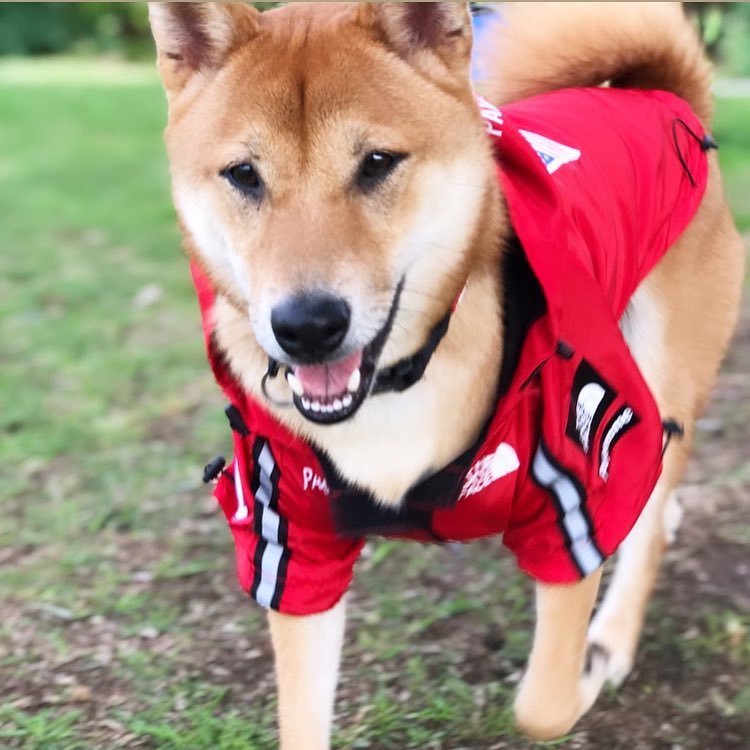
690	689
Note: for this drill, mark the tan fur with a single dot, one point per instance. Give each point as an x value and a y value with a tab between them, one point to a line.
428	228
630	45
305	91
552	695
308	652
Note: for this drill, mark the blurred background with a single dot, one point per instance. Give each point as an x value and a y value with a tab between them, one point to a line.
121	625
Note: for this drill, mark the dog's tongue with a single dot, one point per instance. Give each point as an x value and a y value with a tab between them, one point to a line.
328	381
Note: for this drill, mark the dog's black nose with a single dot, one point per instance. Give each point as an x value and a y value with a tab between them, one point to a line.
311	326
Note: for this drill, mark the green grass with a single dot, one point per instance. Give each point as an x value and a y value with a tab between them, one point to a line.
46	729
108	408
208	725
733	136
108	413
91	377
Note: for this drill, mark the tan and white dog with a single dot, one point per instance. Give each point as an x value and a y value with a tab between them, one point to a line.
285	130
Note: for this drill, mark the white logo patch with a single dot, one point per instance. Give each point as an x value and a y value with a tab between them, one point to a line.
553	155
616	429
589	401
490	469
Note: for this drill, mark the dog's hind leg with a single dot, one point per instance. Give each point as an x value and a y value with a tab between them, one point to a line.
678	327
616	629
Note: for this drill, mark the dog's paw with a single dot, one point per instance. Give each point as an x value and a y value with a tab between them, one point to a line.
619	668
544	721
546	712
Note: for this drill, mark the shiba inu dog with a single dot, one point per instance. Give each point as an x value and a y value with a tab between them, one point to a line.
416	322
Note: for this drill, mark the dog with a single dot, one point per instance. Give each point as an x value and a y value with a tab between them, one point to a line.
422	334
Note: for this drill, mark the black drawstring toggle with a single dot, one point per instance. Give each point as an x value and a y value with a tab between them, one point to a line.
709	144
214	470
706	143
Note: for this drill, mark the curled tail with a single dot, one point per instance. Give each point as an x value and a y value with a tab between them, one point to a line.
539	47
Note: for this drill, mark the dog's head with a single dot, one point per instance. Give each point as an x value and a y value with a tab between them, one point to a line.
330	169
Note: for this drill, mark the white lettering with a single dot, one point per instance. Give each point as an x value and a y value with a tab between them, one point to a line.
493	117
314	482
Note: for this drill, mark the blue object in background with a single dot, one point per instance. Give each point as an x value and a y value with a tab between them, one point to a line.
484	18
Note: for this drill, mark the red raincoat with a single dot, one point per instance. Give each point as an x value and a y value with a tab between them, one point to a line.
599	184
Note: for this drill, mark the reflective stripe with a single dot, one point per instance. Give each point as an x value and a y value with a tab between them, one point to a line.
269	576
267	585
570	502
270	519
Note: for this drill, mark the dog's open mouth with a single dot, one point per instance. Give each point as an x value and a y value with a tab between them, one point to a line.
333	392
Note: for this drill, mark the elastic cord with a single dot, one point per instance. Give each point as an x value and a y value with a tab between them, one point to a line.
706	143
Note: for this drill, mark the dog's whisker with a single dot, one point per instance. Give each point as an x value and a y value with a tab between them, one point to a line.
427	295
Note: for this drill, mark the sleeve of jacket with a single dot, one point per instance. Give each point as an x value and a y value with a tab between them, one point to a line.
289	558
595	463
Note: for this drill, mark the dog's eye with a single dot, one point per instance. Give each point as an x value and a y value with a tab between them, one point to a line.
245	178
376	167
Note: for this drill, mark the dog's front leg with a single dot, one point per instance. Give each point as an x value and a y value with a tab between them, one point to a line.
308	652
559	687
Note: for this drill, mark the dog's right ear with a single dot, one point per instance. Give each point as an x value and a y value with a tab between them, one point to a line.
195	37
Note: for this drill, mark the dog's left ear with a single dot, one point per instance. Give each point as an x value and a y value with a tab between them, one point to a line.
413	27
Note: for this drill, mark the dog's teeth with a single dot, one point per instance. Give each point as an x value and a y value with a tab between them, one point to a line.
354	381
295	385
328	409
305	404
347	402
316	407
337	405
